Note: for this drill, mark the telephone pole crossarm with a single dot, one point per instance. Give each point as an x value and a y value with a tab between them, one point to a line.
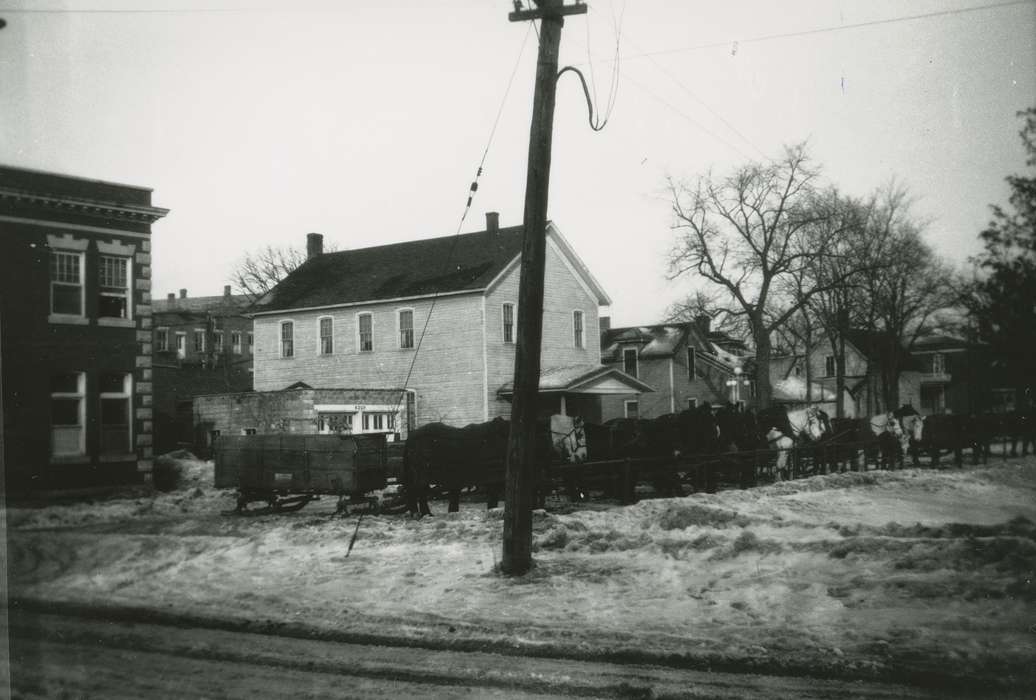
547	9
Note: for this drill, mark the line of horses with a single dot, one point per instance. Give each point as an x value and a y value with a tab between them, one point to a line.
704	447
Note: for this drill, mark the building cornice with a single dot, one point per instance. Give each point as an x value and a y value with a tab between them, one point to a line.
85	207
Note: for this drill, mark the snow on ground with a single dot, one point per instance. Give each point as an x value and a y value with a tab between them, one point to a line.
865	573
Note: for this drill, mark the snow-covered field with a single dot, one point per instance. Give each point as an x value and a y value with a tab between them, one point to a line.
880	574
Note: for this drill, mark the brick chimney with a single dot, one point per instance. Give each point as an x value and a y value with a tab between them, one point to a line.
314	245
226	290
492	221
183	293
704	323
171	296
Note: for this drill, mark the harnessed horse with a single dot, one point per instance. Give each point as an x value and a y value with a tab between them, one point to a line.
803	424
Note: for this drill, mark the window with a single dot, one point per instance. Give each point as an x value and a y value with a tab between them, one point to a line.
335	423
938	363
379	422
251	343
162	339
66	283
406	328
629	361
217	342
692	403
327	341
115	390
287	339
829	366
632	408
181	345
199	340
577	328
235	342
113	281
508	323
365	326
691	369
67	418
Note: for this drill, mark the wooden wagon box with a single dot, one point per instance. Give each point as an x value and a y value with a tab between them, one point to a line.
320	464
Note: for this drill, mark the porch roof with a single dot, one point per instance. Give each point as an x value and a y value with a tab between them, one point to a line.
584	379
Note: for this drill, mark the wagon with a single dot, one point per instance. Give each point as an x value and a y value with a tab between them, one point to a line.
288	471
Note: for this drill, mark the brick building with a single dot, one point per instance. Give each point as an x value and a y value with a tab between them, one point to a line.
75	329
436	317
202	345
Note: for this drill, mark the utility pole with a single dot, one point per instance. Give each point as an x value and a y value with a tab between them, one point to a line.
522	470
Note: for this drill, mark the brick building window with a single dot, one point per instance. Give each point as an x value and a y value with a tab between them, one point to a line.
508	323
66	283
114	282
365	328
829	366
691	358
629	361
68	414
116	391
692	403
631	409
162	339
251	342
199	340
327	333
217	342
287	339
577	328
181	345
235	342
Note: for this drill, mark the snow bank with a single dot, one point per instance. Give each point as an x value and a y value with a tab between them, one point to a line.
871	574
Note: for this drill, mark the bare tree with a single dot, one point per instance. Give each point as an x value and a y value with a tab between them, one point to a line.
749	234
257	272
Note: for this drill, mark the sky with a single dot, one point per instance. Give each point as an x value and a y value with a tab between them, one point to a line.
256	122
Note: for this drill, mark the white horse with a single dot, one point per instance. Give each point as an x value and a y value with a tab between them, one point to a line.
806	423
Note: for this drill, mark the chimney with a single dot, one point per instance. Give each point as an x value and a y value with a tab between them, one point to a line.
314	245
704	323
492	221
226	290
605	323
171	297
183	293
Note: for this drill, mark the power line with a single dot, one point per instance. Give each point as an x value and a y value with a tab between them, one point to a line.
822	30
702	102
689	118
464	215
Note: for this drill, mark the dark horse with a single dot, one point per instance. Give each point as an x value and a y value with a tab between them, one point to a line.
451	459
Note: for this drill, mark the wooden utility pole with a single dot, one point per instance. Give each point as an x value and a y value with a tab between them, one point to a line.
522	469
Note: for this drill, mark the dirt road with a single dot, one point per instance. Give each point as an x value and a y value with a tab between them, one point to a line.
89	656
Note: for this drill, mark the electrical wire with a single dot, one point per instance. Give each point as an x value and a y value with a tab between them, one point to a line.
464	215
598	123
839	28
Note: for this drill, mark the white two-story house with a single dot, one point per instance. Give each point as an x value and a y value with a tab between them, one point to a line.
434	323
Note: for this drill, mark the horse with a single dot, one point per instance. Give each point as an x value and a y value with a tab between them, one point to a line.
452	458
784	429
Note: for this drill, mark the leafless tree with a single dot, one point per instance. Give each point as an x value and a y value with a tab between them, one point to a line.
257	272
749	234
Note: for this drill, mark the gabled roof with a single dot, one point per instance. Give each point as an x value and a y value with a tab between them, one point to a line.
584	379
468	262
666	340
874	344
661	340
